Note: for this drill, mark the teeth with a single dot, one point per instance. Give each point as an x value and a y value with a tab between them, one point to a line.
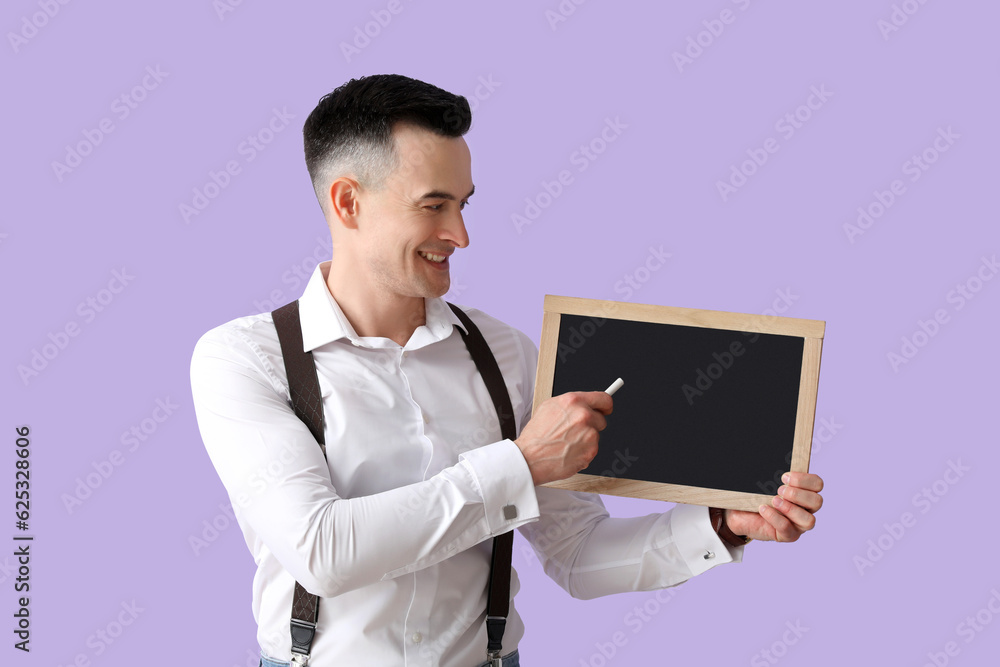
432	257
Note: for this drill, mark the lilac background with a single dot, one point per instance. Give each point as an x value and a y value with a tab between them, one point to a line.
782	232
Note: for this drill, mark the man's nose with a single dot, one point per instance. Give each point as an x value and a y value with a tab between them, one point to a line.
455	231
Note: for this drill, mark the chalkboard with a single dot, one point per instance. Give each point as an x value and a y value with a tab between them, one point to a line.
715	405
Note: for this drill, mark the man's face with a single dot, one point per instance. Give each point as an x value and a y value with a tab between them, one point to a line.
408	230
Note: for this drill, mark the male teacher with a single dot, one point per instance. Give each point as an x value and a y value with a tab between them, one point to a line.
392	529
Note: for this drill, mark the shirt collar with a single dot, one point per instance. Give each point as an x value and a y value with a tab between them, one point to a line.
324	322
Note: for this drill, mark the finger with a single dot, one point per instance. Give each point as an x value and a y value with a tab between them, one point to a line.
807	499
784	529
803	480
600	401
585	414
802	519
599	422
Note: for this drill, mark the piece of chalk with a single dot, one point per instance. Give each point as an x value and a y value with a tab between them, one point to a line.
615	386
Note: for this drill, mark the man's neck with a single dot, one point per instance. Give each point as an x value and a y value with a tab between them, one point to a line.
373	314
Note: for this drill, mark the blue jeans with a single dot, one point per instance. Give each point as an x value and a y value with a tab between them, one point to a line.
509	660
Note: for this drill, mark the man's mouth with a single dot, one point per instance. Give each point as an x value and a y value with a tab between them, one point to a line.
433	258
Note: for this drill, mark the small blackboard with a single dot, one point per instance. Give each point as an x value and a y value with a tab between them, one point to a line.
715	405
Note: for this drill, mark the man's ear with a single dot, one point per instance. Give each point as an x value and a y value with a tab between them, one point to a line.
344	202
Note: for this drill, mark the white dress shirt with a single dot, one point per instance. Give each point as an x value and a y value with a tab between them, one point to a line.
393	530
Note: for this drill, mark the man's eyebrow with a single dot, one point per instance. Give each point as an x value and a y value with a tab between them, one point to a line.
440	194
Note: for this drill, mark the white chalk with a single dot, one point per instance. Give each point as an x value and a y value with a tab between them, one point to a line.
615	386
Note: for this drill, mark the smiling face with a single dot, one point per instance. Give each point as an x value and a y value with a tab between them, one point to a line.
407	231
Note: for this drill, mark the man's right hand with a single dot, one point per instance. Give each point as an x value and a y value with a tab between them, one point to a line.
561	438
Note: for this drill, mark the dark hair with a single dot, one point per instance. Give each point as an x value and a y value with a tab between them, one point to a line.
350	130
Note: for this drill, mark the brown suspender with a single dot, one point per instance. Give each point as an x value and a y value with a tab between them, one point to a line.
303	385
498	598
307	401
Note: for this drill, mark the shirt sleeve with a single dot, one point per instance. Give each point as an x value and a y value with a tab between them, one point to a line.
279	482
590	554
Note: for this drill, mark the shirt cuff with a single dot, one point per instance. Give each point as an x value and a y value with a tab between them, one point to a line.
504	483
699	545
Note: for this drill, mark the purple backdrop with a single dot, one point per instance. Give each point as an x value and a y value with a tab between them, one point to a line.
828	161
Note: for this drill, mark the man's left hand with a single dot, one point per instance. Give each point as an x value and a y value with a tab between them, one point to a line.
789	515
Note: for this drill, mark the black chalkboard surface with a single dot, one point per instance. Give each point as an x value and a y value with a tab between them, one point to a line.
714	407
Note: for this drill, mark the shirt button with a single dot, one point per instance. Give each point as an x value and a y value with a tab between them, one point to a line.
426	419
406	354
709	555
417	638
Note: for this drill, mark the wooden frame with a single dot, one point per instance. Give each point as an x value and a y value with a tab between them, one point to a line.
812	331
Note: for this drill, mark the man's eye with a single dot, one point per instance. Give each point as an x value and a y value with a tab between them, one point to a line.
437	207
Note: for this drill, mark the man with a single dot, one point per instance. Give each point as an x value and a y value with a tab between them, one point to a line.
392	531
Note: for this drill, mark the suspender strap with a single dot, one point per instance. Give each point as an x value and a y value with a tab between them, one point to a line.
303	385
498	598
303	381
307	401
